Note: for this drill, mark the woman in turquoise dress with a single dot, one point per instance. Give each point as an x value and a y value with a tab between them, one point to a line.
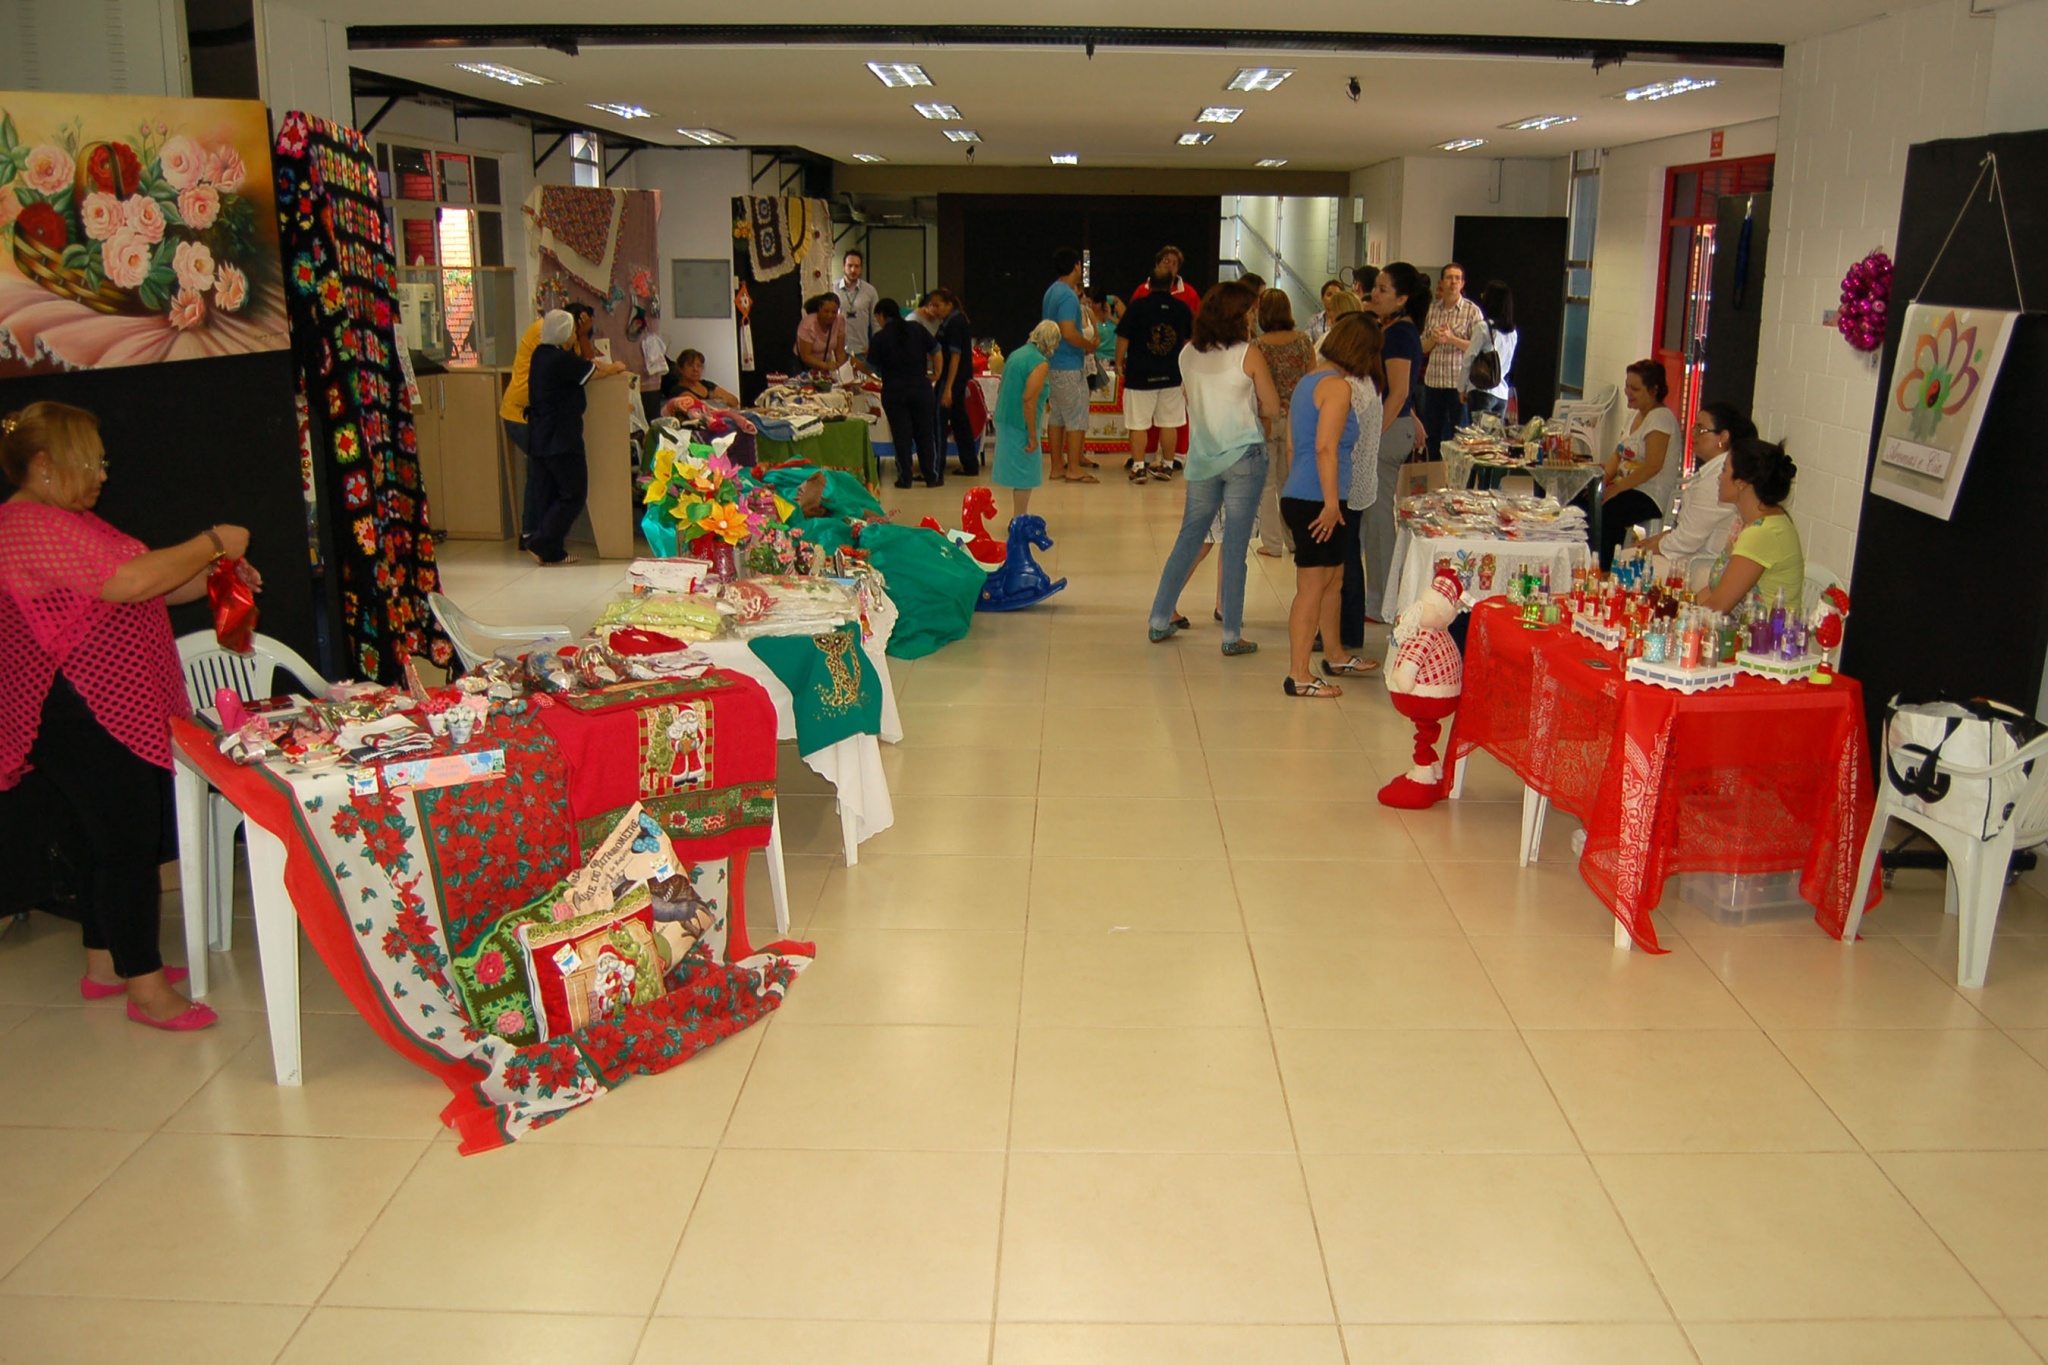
1020	406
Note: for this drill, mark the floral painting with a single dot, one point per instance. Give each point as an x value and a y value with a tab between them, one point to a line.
1934	403
134	230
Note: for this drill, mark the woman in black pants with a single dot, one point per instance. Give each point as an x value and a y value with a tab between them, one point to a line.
92	681
558	465
901	355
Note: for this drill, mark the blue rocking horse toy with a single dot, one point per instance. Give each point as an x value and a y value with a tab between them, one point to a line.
1020	582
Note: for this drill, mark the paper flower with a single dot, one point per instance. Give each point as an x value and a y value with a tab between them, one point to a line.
1943	377
727	522
1866	302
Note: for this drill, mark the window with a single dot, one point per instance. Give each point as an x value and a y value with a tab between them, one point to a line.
586	156
448	224
1578	273
1685	271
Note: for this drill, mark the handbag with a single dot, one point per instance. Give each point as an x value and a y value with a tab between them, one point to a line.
1924	742
1486	368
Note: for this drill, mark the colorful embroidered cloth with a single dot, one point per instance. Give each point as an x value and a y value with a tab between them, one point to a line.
392	887
833	689
1758	777
340	275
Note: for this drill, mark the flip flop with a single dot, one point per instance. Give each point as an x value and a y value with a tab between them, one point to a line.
1182	623
1082	478
1354	666
1314	687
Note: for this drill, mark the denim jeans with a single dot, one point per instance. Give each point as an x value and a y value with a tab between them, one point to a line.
1236	490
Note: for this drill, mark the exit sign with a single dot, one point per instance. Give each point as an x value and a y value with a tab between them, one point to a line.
1717	143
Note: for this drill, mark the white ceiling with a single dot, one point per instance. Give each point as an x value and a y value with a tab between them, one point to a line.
1124	107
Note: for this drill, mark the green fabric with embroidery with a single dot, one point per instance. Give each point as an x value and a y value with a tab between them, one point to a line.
834	690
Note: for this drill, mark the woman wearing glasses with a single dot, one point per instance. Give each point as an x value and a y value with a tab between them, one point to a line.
1703	519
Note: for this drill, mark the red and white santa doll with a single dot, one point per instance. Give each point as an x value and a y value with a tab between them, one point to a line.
1425	675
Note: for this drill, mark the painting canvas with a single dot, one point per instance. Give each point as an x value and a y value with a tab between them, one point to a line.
1934	403
134	230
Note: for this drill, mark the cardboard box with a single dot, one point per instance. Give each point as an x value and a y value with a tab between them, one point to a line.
1423	476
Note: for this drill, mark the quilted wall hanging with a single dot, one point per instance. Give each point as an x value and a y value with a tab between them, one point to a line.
593	246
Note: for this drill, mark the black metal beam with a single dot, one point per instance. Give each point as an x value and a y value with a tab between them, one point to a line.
553	147
613	169
386	107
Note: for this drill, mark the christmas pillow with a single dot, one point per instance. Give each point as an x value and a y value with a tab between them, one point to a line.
590	969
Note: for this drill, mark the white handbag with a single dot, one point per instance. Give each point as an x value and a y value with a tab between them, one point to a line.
1925	742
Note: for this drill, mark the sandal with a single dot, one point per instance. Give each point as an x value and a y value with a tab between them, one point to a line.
1182	623
1234	648
1351	667
1314	687
1082	478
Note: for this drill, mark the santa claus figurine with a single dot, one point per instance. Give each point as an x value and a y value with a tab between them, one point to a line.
1425	674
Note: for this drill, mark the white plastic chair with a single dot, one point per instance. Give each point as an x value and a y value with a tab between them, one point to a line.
1818	581
476	642
208	668
1976	867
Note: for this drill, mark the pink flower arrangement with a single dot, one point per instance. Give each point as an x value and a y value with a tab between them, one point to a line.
188	309
101	214
48	169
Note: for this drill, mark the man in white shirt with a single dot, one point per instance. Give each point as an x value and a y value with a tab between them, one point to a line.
857	300
1703	519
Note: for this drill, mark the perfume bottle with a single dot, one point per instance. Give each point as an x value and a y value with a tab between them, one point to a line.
1778	620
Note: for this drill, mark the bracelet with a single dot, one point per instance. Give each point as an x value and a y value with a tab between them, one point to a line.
220	549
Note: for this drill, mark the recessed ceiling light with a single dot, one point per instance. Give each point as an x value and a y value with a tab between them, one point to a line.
511	75
962	135
1218	114
1540	122
709	137
1259	78
896	75
625	111
1066	158
1271	163
868	158
1613	2
1664	90
1461	144
1195	139
945	111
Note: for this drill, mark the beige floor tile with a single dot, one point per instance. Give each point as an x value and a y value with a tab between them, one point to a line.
1148	1090
1757	1237
1139	980
40	961
1990	1208
1159	1238
1046	1343
989	826
1488	779
899	1086
810	825
1258	774
901	891
189	1215
1313	982
909	976
936	770
807	876
1581	983
1322	729
1651	1090
1476	1239
1096	774
1127	827
1817	983
235	979
1342	899
1314	829
357	1086
1091	896
11	1015
1522	1344
965	725
349	1336
1922	1090
1499	899
685	1106
2036	1331
672	1340
1467	830
80	1331
1418	1090
878	1236
1141	656
1077	718
2034	1040
90	1067
1096	690
1981	1341
1234	691
975	687
608	1265
55	1170
2015	989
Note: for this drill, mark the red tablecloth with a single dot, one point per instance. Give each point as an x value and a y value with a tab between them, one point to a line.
1758	777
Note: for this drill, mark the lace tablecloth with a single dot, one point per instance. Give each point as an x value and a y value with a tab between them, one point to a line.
1487	565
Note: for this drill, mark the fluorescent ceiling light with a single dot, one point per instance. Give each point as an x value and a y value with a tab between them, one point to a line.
945	111
896	75
1540	122
1218	114
1664	90
1271	163
625	111
1613	2
1461	144
1066	158
709	137
1259	78
1195	139
868	158
962	135
511	75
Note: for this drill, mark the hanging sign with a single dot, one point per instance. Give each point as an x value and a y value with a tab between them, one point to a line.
1940	385
1717	143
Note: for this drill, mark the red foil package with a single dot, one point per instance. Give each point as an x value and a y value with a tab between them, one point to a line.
234	605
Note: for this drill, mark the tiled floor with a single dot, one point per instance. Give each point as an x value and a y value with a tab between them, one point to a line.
1145	1036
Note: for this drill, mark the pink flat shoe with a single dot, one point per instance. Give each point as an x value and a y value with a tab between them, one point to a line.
194	1018
94	990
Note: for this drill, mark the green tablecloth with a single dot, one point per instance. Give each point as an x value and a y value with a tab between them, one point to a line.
841	445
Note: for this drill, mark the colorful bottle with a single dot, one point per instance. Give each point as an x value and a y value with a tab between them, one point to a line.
1778	621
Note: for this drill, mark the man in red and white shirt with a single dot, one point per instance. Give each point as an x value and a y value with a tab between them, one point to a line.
1446	336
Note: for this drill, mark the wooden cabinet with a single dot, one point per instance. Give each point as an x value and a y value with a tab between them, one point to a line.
461	461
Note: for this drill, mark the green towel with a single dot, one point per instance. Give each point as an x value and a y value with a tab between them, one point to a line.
834	690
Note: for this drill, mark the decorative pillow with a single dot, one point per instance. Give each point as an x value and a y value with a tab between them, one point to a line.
637	850
492	978
591	968
690	907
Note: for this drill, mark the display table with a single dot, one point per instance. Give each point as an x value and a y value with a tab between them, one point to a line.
843	444
391	885
1487	565
1758	777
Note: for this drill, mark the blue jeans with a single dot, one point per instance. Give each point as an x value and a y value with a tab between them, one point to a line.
1236	490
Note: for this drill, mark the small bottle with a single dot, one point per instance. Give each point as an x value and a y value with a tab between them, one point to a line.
1778	620
1690	655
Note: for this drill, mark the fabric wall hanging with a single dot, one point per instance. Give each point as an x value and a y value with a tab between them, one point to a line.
597	247
339	277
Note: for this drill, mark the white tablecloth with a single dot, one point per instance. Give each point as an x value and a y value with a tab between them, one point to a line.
1486	565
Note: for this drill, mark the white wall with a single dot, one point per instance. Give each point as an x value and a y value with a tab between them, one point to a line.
120	47
696	222
2018	98
1853	103
1380	187
301	63
1412	204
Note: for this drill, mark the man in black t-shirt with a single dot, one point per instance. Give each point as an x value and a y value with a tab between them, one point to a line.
956	371
1148	343
900	355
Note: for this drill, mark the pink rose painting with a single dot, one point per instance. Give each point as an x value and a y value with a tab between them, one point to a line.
135	230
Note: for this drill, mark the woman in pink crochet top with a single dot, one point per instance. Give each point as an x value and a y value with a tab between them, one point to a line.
92	681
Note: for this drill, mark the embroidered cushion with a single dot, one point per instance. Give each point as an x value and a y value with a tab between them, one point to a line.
492	979
591	968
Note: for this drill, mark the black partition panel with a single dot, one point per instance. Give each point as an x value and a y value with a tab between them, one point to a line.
197	442
1961	606
1529	255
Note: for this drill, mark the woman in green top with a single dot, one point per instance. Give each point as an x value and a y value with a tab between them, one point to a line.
1764	554
1020	404
1112	313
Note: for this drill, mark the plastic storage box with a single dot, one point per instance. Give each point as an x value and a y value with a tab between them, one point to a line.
1733	900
